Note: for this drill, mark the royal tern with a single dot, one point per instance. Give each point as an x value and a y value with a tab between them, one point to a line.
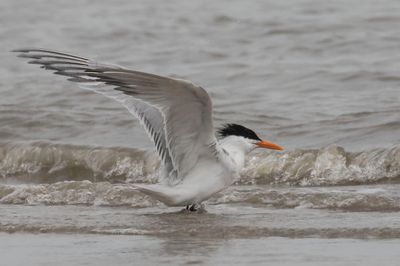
177	116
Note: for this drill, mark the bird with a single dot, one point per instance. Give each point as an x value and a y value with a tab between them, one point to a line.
197	161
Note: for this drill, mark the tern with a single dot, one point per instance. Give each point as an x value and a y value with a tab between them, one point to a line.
176	115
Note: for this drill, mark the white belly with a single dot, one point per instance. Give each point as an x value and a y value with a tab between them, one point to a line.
203	181
206	179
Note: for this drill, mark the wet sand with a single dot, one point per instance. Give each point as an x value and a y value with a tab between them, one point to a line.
224	235
67	249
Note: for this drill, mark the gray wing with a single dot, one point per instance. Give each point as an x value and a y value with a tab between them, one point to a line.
153	122
176	114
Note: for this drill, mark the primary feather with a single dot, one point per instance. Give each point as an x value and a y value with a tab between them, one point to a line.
170	110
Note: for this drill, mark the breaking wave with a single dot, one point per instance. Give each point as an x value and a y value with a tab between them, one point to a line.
62	174
382	199
40	162
75	193
331	165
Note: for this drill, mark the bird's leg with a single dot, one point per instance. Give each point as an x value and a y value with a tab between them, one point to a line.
195	207
191	208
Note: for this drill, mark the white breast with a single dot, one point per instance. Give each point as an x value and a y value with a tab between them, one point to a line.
206	179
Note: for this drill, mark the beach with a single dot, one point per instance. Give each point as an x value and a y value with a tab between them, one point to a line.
320	79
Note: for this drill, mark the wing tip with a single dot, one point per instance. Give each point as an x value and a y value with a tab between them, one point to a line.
41	51
26	50
18	51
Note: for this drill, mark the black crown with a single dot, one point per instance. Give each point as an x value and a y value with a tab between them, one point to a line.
237	130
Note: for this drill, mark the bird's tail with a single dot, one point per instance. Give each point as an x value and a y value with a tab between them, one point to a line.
162	193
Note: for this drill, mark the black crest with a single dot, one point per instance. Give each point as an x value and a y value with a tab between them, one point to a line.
237	130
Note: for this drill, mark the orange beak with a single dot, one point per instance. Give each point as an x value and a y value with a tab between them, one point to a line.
269	145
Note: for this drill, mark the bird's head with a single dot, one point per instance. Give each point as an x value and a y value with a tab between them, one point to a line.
246	138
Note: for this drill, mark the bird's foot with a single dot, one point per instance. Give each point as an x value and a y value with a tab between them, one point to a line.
195	208
191	208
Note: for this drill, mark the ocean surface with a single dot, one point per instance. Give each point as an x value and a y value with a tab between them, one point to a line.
320	78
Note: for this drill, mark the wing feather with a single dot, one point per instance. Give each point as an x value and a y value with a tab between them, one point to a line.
176	114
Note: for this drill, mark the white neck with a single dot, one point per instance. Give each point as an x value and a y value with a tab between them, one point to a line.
237	149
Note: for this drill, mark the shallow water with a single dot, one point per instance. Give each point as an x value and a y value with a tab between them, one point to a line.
126	250
234	234
319	78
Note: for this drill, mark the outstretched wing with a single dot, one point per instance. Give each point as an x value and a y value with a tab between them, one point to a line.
176	114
